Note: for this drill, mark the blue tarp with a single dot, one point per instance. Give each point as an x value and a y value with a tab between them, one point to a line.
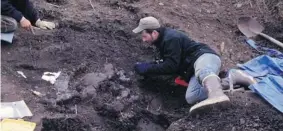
264	50
269	73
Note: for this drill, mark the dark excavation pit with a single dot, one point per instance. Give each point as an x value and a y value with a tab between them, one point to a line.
64	124
57	2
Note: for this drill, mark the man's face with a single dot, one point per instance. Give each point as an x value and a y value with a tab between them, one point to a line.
147	37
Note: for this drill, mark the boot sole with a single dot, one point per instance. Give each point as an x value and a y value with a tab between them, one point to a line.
208	105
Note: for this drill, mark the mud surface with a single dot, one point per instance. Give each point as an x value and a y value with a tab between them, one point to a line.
94	48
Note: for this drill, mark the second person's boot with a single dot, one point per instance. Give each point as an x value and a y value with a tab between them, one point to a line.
237	77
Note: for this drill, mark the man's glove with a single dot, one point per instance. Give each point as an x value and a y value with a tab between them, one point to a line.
45	24
141	68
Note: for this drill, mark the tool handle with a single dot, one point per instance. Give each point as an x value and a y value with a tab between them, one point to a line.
272	39
32	31
181	82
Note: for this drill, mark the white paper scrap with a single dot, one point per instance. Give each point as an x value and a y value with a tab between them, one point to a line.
17	109
51	76
22	74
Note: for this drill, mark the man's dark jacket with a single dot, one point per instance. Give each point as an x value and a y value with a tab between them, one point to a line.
19	8
178	52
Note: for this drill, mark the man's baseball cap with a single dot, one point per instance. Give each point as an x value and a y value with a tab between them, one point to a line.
147	23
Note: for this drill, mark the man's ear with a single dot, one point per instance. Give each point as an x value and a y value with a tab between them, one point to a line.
155	33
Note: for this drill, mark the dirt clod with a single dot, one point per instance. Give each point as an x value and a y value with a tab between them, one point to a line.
89	91
145	125
280	9
93	79
57	2
64	124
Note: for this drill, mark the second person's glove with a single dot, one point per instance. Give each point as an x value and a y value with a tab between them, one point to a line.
45	24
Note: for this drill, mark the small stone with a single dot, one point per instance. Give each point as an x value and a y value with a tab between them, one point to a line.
66	95
131	73
62	82
124	79
133	98
62	87
121	72
197	116
161	4
115	106
115	88
122	76
121	87
125	93
280	9
146	125
126	115
238	5
222	47
109	70
242	121
47	101
89	91
256	125
94	79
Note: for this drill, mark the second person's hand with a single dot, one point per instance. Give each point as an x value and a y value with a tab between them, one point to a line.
25	23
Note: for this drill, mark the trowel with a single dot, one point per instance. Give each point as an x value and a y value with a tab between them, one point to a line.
250	28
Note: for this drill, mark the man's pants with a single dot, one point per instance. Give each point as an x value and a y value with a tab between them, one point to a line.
205	65
8	24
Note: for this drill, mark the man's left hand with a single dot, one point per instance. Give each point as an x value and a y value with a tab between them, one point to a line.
141	68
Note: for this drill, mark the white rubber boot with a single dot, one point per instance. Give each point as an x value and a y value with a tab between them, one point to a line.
237	77
216	97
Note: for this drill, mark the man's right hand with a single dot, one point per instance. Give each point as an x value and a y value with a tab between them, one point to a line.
25	23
